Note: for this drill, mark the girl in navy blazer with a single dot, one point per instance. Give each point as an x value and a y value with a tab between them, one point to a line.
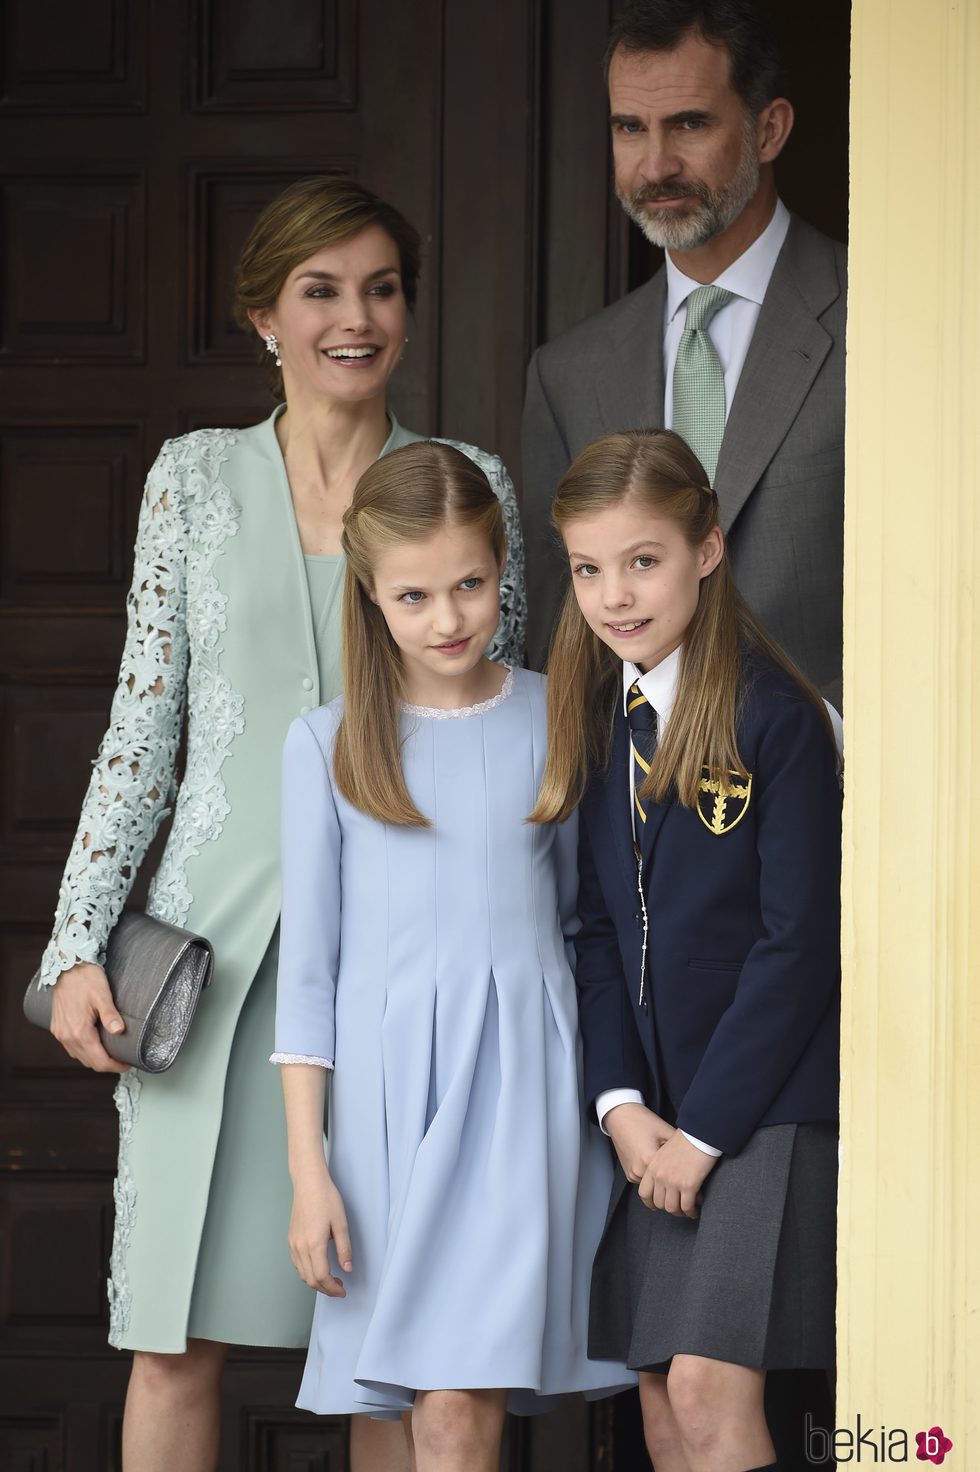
708	957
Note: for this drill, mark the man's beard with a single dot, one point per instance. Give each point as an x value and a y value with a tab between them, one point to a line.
717	208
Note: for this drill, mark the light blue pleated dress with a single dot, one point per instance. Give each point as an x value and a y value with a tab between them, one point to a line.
430	966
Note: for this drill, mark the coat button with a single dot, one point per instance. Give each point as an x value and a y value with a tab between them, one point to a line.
304	710
307	683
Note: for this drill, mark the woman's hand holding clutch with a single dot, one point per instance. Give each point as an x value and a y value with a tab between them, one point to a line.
81	1000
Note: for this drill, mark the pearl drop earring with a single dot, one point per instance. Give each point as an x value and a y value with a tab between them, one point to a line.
272	344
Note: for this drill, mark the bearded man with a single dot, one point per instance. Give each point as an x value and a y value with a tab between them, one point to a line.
737	342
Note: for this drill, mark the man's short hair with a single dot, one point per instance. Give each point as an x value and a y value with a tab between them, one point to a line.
756	65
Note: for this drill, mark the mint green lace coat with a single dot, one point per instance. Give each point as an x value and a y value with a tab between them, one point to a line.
220	636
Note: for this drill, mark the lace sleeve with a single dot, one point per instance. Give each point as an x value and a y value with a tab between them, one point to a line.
511	636
133	775
509	641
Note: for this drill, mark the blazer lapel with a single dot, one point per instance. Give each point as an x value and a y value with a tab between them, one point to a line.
786	353
629	383
615	798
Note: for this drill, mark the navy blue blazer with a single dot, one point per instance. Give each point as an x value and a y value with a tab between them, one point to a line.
741	1022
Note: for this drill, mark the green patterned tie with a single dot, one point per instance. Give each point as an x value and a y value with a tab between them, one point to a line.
699	383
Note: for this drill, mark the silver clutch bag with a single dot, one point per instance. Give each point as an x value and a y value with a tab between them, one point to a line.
156	975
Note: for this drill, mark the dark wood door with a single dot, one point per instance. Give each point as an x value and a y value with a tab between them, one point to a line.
138	139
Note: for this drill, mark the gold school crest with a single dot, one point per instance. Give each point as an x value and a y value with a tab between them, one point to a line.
723	805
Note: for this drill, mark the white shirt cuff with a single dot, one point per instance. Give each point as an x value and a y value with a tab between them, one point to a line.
708	1149
609	1098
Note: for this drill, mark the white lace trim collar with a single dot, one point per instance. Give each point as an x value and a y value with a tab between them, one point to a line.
434	713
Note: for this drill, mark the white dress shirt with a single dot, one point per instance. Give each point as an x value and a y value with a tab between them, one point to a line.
731	328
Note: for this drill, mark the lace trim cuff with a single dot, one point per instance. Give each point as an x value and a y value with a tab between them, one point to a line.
61	954
301	1058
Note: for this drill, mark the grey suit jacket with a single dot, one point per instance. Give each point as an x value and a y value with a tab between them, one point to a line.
780	477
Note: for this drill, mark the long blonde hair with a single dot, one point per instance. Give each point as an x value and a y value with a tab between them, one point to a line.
404	497
657	470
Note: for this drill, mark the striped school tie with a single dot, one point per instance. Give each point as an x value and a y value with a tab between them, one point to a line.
699	382
643	739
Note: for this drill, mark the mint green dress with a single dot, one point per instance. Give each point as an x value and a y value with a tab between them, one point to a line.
277	1301
231	634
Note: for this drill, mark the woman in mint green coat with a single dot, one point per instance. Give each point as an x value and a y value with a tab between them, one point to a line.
233	626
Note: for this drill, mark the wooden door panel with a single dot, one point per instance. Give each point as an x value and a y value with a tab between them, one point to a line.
42	782
55	1233
32	1443
89	57
87	305
67	513
249	61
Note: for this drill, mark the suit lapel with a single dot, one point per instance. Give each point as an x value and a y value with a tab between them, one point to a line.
629	383
787	351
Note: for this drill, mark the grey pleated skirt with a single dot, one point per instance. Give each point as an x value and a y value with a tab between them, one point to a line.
751	1282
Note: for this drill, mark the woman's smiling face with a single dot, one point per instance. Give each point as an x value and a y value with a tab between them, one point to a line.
340	319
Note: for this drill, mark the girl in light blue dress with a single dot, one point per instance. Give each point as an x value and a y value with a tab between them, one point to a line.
424	966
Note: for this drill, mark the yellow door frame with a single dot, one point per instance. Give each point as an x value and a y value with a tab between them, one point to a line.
908	1307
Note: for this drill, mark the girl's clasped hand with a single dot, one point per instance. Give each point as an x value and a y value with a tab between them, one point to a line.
667	1169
